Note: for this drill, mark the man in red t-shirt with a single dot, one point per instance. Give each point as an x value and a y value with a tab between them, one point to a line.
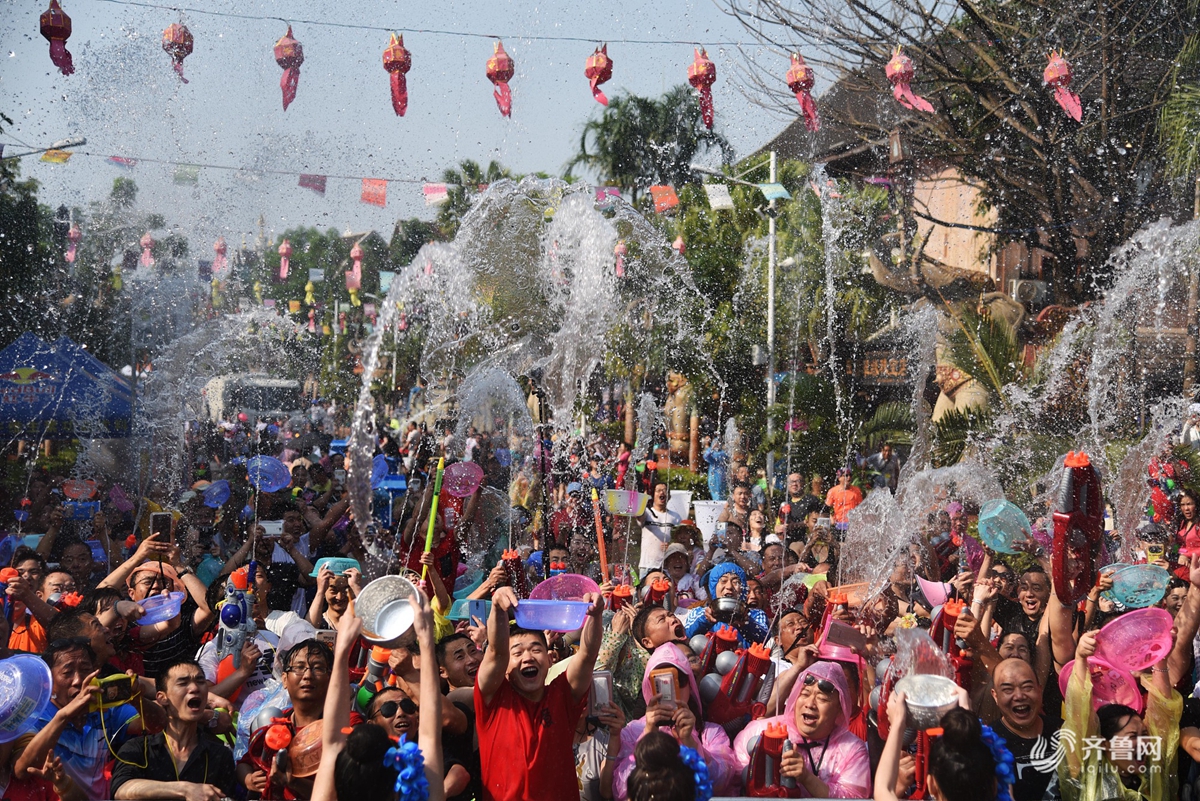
525	726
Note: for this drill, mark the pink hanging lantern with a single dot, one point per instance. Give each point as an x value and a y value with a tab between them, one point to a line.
398	61
402	323
620	251
285	254
56	28
312	321
900	72
800	80
354	275
679	246
73	237
500	70
702	74
598	70
289	54
1058	74
177	41
147	242
219	251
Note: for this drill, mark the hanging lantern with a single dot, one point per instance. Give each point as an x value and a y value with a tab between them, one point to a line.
312	321
402	322
147	242
309	300
289	55
216	294
73	237
679	246
177	41
500	70
800	80
397	61
257	289
599	70
354	275
117	283
285	255
219	251
702	74
901	73
620	252
1058	74
56	27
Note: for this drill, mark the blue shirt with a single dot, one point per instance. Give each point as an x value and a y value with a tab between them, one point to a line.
84	752
755	629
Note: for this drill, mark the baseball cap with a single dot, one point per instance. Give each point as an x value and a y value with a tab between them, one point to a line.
574	487
676	548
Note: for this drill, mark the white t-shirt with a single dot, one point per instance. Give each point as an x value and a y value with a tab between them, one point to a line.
267	640
656	536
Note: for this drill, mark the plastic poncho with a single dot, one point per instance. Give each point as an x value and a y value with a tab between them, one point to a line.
1085	772
844	765
714	743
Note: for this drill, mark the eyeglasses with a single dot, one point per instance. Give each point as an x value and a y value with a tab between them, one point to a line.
824	685
317	670
388	708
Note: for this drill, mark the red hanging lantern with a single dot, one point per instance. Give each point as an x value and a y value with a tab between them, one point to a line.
800	80
56	27
702	74
679	246
73	237
289	54
147	242
285	255
620	251
219	251
500	70
599	70
900	72
354	275
397	61
177	41
1058	74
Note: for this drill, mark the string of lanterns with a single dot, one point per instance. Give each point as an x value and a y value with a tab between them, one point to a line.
178	43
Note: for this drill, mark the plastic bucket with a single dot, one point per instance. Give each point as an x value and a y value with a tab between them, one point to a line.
1002	523
385	610
1110	685
551	615
25	687
680	502
1136	640
564	587
626	503
707	513
161	607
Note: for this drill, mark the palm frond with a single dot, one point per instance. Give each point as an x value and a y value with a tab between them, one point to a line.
953	431
986	348
892	422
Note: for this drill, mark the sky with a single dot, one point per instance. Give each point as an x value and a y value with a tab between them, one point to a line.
125	98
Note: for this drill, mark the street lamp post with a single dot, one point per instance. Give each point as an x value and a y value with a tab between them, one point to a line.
61	144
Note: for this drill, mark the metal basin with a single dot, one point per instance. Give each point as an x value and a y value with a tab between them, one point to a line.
385	610
927	697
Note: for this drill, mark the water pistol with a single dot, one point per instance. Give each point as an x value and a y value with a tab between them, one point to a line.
272	733
433	509
717	642
237	615
373	679
942	632
621	595
558	568
739	694
515	571
763	777
6	575
1078	529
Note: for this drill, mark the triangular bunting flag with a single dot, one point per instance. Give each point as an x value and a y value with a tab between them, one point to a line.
718	197
314	182
56	156
435	194
775	192
665	198
374	191
187	174
122	162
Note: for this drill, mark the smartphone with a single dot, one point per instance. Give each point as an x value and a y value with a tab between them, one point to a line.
114	691
663	682
327	637
479	608
271	528
602	692
160	524
340	476
824	522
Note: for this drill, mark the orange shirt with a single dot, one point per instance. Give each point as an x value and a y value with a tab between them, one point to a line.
28	636
842	501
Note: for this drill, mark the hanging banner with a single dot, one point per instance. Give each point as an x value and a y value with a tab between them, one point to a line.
122	162
314	182
775	192
374	191
316	274
719	198
187	174
435	194
385	281
56	156
665	198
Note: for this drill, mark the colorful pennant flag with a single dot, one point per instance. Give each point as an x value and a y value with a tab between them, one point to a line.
718	197
187	174
665	198
56	156
122	162
607	197
314	182
436	194
385	280
775	192
374	191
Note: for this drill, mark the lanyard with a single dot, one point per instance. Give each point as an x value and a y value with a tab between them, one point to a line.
808	747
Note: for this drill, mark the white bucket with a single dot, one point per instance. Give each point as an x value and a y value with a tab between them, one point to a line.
707	513
679	502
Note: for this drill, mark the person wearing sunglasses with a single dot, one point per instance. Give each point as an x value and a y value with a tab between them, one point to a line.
398	715
826	760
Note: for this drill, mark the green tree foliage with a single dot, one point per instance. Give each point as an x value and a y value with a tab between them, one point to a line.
463	183
638	142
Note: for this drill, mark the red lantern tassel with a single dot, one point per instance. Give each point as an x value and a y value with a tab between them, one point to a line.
910	99
399	93
503	97
808	108
1070	103
61	56
288	83
179	71
600	97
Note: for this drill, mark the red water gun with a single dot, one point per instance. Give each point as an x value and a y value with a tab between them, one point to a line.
738	695
942	632
621	595
719	641
265	743
763	777
1078	529
658	592
515	571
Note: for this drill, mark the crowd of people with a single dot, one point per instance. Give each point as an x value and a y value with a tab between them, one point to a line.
721	663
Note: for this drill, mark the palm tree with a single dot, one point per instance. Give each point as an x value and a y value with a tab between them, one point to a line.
638	142
462	184
1179	120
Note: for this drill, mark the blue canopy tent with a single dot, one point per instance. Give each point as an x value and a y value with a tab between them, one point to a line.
60	391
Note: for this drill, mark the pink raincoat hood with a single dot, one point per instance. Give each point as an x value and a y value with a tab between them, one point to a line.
822	670
668	654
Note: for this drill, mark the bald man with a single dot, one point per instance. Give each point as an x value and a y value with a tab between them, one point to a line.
1032	738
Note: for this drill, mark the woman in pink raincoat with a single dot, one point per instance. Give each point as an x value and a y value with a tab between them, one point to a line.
685	722
827	760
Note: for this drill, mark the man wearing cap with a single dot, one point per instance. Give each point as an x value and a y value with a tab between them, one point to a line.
657	522
844	497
